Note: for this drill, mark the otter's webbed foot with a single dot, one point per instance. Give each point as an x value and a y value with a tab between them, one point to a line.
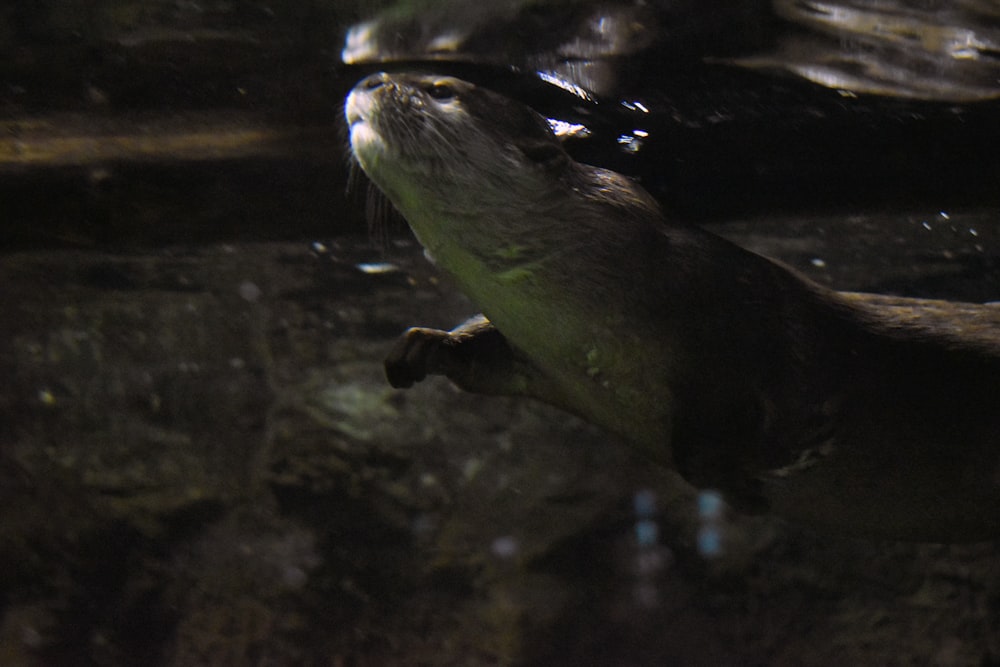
474	355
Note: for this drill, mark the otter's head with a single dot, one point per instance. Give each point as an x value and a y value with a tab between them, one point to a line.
485	185
438	146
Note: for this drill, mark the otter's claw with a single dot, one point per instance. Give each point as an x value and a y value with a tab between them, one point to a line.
416	355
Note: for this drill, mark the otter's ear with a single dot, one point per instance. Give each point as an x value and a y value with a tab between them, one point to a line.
541	151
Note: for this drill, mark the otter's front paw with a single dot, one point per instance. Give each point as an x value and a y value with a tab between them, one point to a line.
474	355
416	355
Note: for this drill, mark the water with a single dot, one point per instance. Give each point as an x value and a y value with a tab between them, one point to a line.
201	462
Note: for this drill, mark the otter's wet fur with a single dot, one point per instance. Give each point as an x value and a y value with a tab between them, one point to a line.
857	413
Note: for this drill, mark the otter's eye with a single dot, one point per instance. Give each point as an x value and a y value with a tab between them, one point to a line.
442	91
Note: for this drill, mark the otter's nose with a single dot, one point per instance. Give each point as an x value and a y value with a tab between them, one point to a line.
375	81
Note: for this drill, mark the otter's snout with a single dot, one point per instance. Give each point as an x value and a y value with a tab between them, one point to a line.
359	104
373	82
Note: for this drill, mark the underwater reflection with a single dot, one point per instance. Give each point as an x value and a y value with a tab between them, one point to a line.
930	51
933	51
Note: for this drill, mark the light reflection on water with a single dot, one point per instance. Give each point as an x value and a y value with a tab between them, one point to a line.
895	49
945	52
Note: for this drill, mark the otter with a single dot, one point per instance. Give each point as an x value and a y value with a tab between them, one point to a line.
865	414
